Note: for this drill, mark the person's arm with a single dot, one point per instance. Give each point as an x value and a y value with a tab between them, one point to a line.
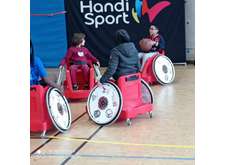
112	66
50	83
162	43
91	57
44	76
140	55
159	42
139	65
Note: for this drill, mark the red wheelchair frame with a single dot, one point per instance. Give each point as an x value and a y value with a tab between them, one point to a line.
39	118
81	93
133	105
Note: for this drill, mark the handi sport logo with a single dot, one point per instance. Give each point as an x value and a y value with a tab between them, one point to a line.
108	13
142	8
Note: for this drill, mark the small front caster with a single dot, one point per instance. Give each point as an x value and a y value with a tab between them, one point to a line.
150	114
128	122
43	135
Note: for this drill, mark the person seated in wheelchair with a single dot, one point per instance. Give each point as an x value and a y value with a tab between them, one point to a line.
38	74
79	57
123	58
152	44
158	42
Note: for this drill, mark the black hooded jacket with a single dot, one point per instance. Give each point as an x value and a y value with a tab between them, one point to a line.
123	58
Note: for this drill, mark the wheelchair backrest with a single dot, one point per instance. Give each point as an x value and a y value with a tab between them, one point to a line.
37	93
38	110
130	86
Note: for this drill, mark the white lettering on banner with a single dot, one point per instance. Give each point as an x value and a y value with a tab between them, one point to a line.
107	19
86	16
121	6
98	14
124	18
110	5
98	8
82	6
99	20
127	6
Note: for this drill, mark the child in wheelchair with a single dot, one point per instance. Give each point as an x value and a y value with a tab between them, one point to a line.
123	58
151	45
79	57
38	74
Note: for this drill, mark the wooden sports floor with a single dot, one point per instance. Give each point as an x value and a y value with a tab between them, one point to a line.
165	139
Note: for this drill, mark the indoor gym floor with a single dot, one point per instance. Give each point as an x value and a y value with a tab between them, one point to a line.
165	139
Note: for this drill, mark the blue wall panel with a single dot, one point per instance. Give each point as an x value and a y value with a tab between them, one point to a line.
48	33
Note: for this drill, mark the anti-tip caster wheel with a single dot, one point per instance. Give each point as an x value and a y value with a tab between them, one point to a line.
128	122
150	114
43	135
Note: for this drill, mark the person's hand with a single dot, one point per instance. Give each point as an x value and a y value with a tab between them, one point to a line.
62	63
60	87
153	42
99	84
98	63
60	66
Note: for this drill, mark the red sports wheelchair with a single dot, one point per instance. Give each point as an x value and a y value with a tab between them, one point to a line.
84	88
158	69
123	100
48	108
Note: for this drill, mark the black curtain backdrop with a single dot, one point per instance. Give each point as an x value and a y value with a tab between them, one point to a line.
101	40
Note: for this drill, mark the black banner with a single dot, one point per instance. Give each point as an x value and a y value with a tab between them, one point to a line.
100	19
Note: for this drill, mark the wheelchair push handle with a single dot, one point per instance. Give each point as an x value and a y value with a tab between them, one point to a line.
97	72
132	77
60	75
98	76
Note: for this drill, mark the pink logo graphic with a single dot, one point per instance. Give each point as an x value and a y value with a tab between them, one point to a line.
142	8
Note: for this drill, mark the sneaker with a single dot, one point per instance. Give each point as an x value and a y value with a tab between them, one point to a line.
75	87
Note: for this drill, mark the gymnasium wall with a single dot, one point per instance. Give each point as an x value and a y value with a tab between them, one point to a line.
53	22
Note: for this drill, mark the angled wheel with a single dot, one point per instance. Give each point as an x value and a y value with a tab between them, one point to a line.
58	109
163	69
147	93
104	104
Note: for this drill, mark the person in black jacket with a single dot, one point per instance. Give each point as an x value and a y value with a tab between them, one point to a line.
123	58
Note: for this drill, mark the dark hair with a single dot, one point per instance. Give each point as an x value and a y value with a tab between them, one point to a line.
31	53
77	38
155	27
121	36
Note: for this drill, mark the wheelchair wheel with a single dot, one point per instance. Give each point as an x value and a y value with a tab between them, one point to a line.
58	109
163	69
147	93
104	104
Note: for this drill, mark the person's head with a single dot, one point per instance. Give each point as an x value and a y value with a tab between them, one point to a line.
31	53
121	36
153	30
78	39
